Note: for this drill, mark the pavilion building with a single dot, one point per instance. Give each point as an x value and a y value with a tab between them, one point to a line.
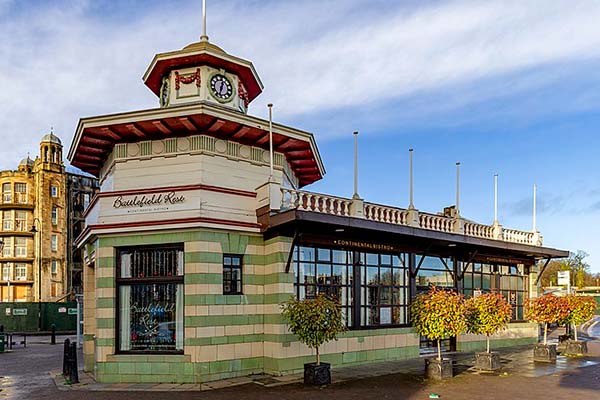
193	240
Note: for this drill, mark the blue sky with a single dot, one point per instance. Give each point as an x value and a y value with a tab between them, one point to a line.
505	87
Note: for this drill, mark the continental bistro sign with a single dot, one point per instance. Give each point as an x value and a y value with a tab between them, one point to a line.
148	203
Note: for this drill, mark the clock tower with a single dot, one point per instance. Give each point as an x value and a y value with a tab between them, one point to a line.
201	72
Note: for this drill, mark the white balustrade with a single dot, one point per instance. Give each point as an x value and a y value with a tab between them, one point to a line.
479	230
390	215
515	236
306	201
316	202
436	222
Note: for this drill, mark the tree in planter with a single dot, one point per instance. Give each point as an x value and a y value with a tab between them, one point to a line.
487	314
315	322
546	310
580	310
438	314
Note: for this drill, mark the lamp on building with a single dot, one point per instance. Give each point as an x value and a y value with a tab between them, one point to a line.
34	230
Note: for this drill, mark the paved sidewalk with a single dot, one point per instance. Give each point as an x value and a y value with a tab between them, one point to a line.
516	361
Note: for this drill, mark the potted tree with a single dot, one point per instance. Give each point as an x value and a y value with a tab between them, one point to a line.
486	315
545	310
580	309
436	315
315	322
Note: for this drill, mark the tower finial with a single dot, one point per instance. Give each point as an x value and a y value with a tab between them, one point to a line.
204	37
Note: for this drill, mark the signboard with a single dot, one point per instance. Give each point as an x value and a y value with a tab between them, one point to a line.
72	311
20	311
476	293
62	310
148	203
7	311
564	277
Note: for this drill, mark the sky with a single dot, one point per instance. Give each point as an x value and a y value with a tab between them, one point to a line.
506	87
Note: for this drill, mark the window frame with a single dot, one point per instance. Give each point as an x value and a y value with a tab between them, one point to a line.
355	263
54	242
119	282
54	216
239	267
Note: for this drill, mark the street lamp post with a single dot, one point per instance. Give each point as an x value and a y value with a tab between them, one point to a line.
34	230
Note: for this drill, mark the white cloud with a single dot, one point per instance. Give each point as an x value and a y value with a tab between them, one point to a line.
60	62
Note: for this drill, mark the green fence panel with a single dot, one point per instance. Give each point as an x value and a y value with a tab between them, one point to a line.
23	317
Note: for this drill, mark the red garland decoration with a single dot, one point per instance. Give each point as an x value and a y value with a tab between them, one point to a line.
243	94
186	80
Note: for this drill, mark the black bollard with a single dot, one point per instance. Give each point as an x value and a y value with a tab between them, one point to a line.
66	357
1	328
53	337
74	373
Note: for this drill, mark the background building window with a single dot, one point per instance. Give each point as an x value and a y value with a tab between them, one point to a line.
54	242
21	193
54	216
232	274
6	193
53	191
54	267
7	251
20	247
20	272
86	201
150	299
6	271
21	221
7	223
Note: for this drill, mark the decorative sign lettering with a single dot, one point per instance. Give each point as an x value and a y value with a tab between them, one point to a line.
7	311
477	293
512	296
152	324
62	310
20	311
148	203
72	311
364	245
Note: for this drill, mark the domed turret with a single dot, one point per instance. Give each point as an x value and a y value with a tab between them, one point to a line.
51	149
26	162
51	138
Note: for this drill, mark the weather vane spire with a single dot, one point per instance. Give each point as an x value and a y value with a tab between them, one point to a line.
204	37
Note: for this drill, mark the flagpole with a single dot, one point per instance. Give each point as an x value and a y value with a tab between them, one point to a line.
270	105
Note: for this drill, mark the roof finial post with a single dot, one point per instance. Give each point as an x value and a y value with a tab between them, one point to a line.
204	37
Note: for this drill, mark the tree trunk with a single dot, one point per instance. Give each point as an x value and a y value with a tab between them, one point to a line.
439	350
318	357
487	339
575	331
545	333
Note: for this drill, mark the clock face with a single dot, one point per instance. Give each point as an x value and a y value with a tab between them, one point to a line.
221	88
164	93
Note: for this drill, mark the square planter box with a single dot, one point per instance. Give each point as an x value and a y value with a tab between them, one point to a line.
487	361
575	348
544	353
434	369
317	374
